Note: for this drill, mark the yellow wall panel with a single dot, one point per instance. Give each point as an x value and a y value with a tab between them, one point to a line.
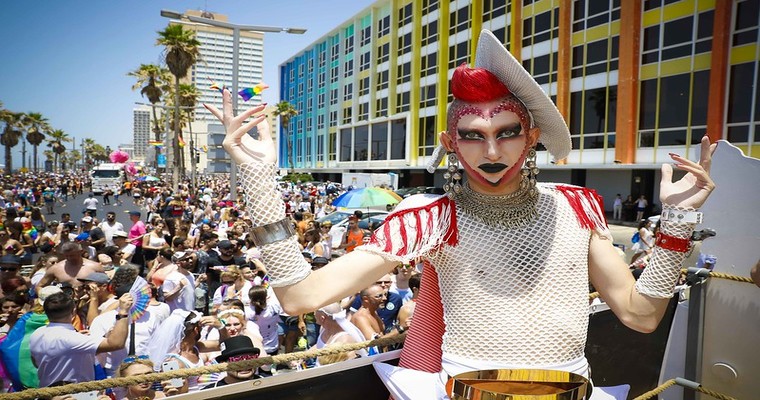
675	67
755	153
614	28
678	10
702	61
704	5
651	17
597	32
540	7
578	38
648	71
742	54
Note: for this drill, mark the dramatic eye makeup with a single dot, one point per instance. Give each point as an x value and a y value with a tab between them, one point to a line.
507	132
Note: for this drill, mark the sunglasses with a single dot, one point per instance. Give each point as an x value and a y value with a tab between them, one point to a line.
383	282
243	357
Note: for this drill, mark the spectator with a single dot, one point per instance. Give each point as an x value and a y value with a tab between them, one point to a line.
64	355
617	208
641	207
179	286
111	226
237	348
91	205
139	366
72	266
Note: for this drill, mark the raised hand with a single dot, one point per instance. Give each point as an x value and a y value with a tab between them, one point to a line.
242	147
693	189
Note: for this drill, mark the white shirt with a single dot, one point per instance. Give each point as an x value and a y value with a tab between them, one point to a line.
267	321
160	311
90	203
63	354
144	328
109	230
186	298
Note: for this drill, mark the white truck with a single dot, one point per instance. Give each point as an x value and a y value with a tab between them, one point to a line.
107	175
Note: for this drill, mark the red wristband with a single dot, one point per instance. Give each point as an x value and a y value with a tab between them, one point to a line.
667	242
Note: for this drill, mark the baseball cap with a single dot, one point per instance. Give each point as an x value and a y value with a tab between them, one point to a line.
180	255
10	259
320	261
225	244
97	277
120	234
87	219
136	213
82	237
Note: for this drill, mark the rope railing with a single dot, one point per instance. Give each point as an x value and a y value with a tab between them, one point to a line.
686	384
187	372
285	358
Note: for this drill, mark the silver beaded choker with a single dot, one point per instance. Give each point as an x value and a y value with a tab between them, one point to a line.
512	210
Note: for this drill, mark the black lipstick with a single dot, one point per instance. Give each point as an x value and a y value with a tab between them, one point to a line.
492	168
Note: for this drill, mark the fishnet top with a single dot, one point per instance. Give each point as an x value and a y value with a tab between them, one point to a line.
513	295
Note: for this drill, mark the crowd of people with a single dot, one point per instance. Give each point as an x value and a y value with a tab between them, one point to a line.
210	298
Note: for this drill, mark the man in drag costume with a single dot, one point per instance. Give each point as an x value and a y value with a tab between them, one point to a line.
507	260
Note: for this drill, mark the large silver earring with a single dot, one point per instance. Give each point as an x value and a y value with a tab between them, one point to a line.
530	170
452	176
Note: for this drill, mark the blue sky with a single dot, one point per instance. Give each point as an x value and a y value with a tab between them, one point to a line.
68	59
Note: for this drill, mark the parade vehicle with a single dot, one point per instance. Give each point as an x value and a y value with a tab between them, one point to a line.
107	175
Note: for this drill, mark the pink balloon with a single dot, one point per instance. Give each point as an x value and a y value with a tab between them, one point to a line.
118	156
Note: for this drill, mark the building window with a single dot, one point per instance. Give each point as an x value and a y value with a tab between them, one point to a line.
429	64
405	43
746	24
459	20
398	139
381	107
364	61
345	144
458	54
429	6
405	15
361	143
349	44
348	91
493	9
331	145
333	96
363	111
363	86
382	80
320	122
383	53
366	35
402	102
430	32
333	120
348	68
403	72
427	96
379	146
384	26
347	115
426	136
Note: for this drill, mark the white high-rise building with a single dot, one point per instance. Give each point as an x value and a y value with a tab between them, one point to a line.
140	130
216	61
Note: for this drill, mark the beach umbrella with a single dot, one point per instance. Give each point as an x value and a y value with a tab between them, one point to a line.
366	197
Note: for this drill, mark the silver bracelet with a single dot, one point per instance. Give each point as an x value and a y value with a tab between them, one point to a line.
272	233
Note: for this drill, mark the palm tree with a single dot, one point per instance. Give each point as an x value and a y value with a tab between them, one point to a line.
188	99
88	144
72	157
99	153
11	134
286	111
153	81
37	127
56	142
181	53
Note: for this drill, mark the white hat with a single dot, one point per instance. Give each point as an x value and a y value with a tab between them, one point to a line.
494	57
46	292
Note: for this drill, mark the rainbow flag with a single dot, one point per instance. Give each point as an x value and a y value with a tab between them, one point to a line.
156	143
16	356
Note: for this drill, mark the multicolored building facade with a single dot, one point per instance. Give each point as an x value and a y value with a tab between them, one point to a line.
635	80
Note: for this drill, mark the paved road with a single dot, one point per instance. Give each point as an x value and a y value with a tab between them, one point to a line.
75	206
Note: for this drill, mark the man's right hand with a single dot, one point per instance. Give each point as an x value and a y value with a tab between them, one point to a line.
125	303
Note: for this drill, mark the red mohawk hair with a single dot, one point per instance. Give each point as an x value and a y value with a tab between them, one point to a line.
476	85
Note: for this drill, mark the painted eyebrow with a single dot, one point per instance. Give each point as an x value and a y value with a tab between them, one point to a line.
462	131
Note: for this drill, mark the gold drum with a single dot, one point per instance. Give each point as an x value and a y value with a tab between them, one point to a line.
518	384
